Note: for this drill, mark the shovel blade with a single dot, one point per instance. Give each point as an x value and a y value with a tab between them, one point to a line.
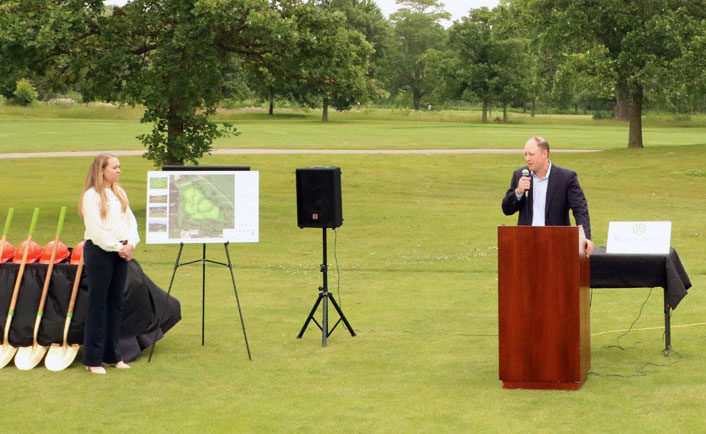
7	352
60	357
29	357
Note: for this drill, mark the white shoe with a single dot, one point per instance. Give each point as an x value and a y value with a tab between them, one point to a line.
96	370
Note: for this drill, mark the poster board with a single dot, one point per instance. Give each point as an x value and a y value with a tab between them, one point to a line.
202	206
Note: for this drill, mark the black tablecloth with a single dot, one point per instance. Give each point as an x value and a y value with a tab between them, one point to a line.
143	304
640	271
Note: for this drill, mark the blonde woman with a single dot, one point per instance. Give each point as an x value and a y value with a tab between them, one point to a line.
111	236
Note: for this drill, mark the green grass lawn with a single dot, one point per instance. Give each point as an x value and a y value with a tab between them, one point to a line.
418	281
80	129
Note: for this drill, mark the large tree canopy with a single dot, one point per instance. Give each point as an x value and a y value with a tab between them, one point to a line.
486	66
641	40
332	59
39	40
173	57
417	31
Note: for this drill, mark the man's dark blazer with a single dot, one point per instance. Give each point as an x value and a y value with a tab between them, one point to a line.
563	193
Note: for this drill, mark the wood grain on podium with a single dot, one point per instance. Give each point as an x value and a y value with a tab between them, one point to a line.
543	308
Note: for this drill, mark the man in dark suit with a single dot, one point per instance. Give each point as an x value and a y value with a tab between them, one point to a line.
545	196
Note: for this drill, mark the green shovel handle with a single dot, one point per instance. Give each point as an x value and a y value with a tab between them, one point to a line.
10	212
34	221
62	214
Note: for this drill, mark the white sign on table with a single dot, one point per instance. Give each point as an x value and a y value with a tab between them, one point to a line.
642	238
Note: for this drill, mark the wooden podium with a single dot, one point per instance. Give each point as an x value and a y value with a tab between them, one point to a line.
543	307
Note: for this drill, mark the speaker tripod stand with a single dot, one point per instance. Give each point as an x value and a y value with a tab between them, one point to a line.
324	297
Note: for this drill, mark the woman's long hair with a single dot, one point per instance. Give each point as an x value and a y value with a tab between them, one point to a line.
94	179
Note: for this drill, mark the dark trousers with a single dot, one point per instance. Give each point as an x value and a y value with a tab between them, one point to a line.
106	273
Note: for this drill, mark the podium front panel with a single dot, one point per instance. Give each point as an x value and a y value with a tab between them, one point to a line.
544	336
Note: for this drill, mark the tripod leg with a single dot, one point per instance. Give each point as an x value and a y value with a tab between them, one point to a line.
667	326
203	296
340	313
324	321
164	306
310	317
240	312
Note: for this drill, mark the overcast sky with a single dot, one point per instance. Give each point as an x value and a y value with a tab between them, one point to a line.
457	8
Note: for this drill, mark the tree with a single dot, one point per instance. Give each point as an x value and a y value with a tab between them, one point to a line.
642	40
488	67
365	16
332	59
681	85
39	39
416	30
172	56
583	79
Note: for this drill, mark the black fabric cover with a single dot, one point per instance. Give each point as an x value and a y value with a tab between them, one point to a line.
141	311
640	271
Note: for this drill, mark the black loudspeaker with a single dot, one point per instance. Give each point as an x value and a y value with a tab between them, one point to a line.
319	197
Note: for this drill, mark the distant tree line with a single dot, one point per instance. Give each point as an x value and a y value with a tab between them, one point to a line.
181	58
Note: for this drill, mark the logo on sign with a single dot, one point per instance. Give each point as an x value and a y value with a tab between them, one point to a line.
639	229
315	216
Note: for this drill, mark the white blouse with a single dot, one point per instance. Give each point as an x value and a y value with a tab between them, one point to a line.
117	225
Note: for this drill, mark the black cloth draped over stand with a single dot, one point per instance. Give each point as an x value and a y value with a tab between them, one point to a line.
641	271
139	328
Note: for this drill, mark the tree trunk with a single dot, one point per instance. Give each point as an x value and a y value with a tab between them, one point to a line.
484	117
175	128
534	106
504	113
621	111
635	138
417	97
324	116
272	105
576	109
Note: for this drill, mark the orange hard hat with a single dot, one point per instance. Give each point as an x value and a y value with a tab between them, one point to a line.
77	252
35	252
62	252
8	252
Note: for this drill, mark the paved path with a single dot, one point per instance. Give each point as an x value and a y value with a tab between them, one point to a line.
290	151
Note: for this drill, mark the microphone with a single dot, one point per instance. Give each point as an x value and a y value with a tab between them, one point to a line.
525	172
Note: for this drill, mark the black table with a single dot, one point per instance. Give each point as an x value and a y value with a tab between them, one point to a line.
139	328
643	271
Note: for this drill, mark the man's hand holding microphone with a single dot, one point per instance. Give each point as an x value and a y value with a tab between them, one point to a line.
524	184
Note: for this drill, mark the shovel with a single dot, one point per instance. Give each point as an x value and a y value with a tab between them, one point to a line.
29	357
59	357
3	240
7	228
8	351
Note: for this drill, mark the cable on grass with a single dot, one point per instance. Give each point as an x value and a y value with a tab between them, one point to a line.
664	333
639	314
640	372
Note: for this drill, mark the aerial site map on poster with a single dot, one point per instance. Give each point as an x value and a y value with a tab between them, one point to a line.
202	207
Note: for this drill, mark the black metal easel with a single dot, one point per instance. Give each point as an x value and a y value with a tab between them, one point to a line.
203	262
325	296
